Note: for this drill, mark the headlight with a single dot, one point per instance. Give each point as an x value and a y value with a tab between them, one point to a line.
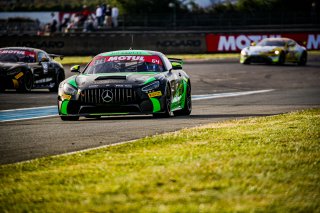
68	89
244	53
13	72
276	52
151	86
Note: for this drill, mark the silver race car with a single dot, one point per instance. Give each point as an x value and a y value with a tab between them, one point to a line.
274	51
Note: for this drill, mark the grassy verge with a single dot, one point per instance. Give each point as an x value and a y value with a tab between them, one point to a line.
73	60
258	164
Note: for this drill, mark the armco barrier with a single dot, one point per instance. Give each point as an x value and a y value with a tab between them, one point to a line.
168	43
92	44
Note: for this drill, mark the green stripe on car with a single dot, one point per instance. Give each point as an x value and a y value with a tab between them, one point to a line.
64	106
73	82
156	104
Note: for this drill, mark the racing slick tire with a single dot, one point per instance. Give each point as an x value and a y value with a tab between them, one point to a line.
26	82
167	107
247	62
60	77
303	59
282	58
2	87
188	105
69	118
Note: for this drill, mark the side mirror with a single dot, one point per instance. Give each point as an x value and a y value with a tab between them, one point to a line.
176	66
253	44
44	60
75	68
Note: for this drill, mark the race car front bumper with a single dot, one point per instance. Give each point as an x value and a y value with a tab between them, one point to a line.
93	102
259	58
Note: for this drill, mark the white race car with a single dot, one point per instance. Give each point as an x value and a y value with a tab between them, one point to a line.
274	50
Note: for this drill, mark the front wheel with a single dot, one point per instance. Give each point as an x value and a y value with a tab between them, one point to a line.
2	87
303	59
59	79
26	82
187	106
167	105
247	62
282	58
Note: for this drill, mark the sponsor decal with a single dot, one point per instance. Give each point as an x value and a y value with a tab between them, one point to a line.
19	75
129	58
313	42
93	86
236	42
66	97
44	80
45	66
155	94
99	61
18	52
126	58
123	86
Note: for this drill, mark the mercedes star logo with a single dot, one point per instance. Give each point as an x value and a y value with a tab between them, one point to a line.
107	96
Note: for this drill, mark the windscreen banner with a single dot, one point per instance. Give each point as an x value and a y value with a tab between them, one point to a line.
236	42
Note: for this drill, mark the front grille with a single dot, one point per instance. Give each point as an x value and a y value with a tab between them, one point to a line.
103	96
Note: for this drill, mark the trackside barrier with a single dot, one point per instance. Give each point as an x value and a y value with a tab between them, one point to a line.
93	43
166	42
236	42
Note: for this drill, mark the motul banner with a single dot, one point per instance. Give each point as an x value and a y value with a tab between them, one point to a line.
236	42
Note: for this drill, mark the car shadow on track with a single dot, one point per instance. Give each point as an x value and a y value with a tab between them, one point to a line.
148	117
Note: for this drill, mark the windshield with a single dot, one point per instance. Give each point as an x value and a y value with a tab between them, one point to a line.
111	64
17	56
277	43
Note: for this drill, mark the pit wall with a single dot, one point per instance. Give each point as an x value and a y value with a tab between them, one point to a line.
168	43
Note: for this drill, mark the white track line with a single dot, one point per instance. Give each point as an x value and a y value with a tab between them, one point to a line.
228	94
43	107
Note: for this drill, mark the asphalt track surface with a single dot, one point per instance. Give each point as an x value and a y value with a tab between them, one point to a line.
292	88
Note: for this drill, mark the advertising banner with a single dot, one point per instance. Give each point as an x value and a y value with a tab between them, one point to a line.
236	42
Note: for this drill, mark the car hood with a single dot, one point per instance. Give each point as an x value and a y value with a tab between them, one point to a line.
262	49
9	65
83	81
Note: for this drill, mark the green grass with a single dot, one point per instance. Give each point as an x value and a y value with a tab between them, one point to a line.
266	164
72	60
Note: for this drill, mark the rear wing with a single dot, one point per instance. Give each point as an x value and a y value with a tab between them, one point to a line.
55	56
176	63
176	60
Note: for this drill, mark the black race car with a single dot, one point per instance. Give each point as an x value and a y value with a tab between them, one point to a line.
24	68
126	82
